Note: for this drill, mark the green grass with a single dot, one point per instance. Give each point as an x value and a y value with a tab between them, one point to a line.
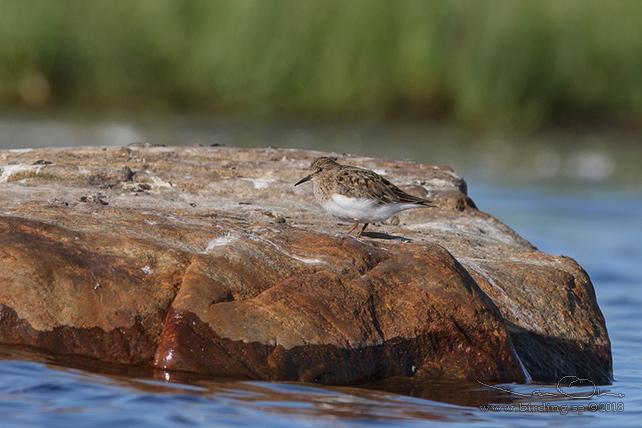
483	64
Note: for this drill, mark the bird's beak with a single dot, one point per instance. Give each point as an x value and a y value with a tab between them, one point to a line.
304	179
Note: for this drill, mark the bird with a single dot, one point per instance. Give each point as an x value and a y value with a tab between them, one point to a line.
356	194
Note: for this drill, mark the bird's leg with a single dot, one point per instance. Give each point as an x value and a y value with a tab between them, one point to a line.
356	223
362	230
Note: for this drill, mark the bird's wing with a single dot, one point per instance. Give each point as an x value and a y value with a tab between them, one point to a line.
362	183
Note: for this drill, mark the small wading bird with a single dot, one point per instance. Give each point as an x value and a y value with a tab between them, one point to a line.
356	194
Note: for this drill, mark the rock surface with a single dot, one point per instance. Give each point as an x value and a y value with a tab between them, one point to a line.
207	259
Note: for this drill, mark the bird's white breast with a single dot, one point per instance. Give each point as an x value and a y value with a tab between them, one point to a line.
362	209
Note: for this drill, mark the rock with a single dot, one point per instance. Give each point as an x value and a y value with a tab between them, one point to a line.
209	260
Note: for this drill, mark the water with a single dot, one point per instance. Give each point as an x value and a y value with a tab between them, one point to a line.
595	219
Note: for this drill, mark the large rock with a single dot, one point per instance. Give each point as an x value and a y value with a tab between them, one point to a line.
207	259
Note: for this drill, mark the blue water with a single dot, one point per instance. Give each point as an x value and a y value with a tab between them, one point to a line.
599	226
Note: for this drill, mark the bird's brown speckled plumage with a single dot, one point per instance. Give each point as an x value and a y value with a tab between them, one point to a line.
331	179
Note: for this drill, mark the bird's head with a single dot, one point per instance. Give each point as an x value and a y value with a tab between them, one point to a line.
319	167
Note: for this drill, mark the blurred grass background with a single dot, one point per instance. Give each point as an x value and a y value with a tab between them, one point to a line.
518	65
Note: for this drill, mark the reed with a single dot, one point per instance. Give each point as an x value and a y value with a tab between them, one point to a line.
499	64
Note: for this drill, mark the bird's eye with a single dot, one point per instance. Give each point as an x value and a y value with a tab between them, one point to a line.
320	170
